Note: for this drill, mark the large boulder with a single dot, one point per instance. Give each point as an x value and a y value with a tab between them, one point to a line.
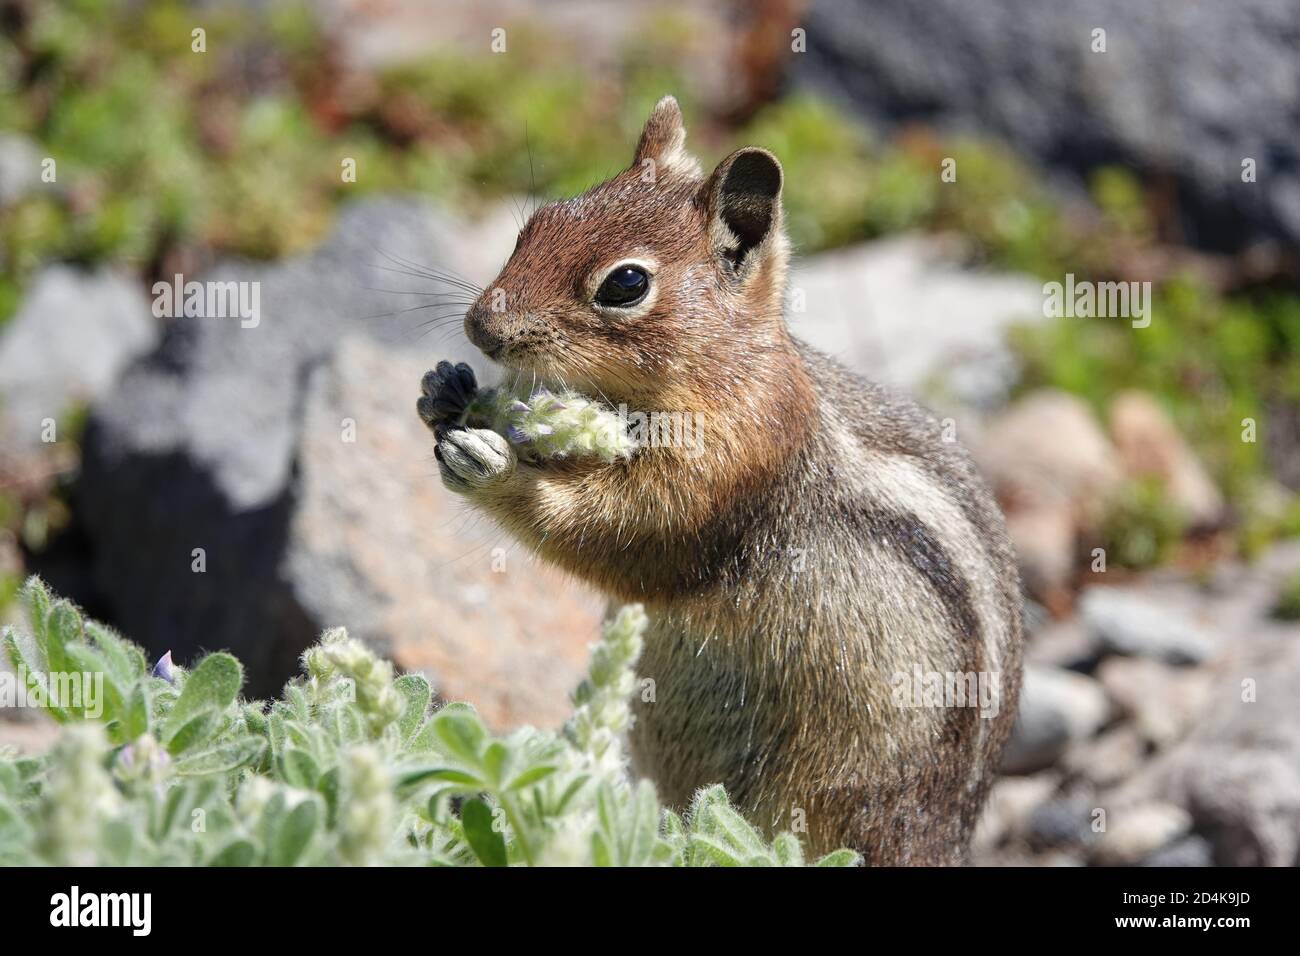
225	510
1167	96
376	542
72	336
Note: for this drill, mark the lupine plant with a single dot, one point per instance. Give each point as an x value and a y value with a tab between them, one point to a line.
538	422
351	766
545	424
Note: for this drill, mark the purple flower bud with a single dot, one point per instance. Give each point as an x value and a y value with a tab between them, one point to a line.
517	435
518	407
163	668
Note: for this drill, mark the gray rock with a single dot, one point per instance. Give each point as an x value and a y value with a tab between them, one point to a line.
1063	822
1065	644
1238	771
1057	709
1108	758
1134	833
71	338
196	448
1010	806
1140	624
1170	95
376	543
886	308
1162	701
1191	850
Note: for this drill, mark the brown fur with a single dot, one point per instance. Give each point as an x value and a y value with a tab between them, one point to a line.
825	541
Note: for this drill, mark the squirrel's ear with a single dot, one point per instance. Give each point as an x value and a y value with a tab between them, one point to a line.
743	199
662	148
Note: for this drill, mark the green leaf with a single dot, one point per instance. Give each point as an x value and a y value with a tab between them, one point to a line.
276	733
840	858
255	720
328	787
37	598
600	851
461	732
732	827
424	739
300	768
94	670
223	758
706	851
135	718
673	825
273	814
416	693
494	762
212	686
645	823
21	665
488	845
237	853
531	776
788	850
571	791
165	815
14	827
445	774
125	659
296	699
294	834
63	630
194	733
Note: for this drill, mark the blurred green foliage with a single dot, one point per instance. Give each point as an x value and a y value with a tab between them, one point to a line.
1141	526
1288	602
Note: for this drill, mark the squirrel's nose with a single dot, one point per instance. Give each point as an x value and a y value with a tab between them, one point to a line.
484	328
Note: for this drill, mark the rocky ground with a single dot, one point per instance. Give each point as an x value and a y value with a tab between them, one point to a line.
1158	726
1158	722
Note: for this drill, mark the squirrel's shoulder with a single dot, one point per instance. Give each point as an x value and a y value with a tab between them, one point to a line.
880	417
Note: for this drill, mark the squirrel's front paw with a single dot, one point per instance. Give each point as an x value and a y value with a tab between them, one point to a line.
473	459
445	393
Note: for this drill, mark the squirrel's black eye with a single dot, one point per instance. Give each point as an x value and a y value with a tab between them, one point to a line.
626	285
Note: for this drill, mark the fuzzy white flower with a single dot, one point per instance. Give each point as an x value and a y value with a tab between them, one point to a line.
545	424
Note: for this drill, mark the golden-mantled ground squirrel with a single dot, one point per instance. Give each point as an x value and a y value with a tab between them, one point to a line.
835	609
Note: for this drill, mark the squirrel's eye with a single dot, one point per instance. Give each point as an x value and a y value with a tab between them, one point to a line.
626	285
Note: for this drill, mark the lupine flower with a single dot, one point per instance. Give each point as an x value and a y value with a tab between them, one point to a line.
164	669
544	424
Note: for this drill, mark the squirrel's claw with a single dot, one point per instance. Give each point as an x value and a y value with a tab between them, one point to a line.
446	392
